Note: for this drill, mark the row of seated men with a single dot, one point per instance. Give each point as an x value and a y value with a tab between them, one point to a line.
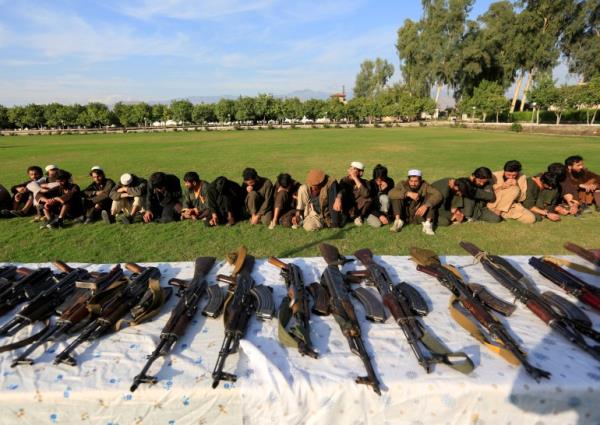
320	202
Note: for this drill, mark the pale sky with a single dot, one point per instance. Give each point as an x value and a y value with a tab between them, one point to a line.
79	51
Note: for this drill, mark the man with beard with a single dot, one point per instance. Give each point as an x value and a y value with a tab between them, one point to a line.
195	201
581	187
61	202
22	199
454	192
318	205
286	195
259	197
542	196
96	197
353	194
475	208
379	188
163	198
225	202
510	187
414	201
128	199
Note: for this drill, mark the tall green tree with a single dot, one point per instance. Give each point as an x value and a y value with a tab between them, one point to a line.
4	122
414	58
581	39
203	113
245	109
372	77
225	110
181	111
292	108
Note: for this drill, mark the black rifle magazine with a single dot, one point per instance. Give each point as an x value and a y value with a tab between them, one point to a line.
373	306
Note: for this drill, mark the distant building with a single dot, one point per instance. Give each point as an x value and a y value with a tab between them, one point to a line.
340	96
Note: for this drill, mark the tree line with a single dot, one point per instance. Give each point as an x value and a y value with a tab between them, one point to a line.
263	108
513	42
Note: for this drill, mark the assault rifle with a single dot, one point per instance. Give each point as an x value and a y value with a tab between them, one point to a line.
25	288
244	298
429	263
570	283
406	305
190	294
591	255
526	292
45	303
131	296
75	313
294	311
8	274
334	293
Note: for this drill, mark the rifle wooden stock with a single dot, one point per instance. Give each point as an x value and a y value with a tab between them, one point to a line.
540	310
24	271
277	262
62	266
590	298
586	254
390	301
134	268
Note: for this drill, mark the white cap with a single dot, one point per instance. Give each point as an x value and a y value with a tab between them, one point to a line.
51	167
126	179
415	173
358	165
96	168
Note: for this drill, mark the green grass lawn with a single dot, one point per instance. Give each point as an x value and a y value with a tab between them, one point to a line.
439	152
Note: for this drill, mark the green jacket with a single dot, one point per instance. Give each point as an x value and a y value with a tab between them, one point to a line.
449	198
189	197
545	199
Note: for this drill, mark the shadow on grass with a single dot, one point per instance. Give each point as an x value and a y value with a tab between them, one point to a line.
337	235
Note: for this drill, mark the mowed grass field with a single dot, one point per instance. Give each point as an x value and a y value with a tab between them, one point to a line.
439	152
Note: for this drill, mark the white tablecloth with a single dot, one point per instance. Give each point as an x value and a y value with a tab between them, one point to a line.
277	385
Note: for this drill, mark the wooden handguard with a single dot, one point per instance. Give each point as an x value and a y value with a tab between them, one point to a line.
590	298
392	304
181	325
540	310
76	314
63	267
134	268
277	262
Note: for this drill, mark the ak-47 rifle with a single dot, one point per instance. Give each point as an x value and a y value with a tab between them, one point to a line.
591	255
45	303
526	292
429	263
25	288
8	274
406	305
131	298
294	311
570	283
335	291
244	298
75	313
190	294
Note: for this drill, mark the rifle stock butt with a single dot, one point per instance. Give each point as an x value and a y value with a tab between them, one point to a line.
134	268
62	266
277	262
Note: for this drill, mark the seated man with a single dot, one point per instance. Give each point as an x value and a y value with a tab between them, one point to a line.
510	188
195	201
22	198
38	187
379	187
318	205
96	197
5	199
353	193
127	199
414	201
542	196
286	195
259	197
454	192
581	187
475	204
61	202
163	198
225	202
